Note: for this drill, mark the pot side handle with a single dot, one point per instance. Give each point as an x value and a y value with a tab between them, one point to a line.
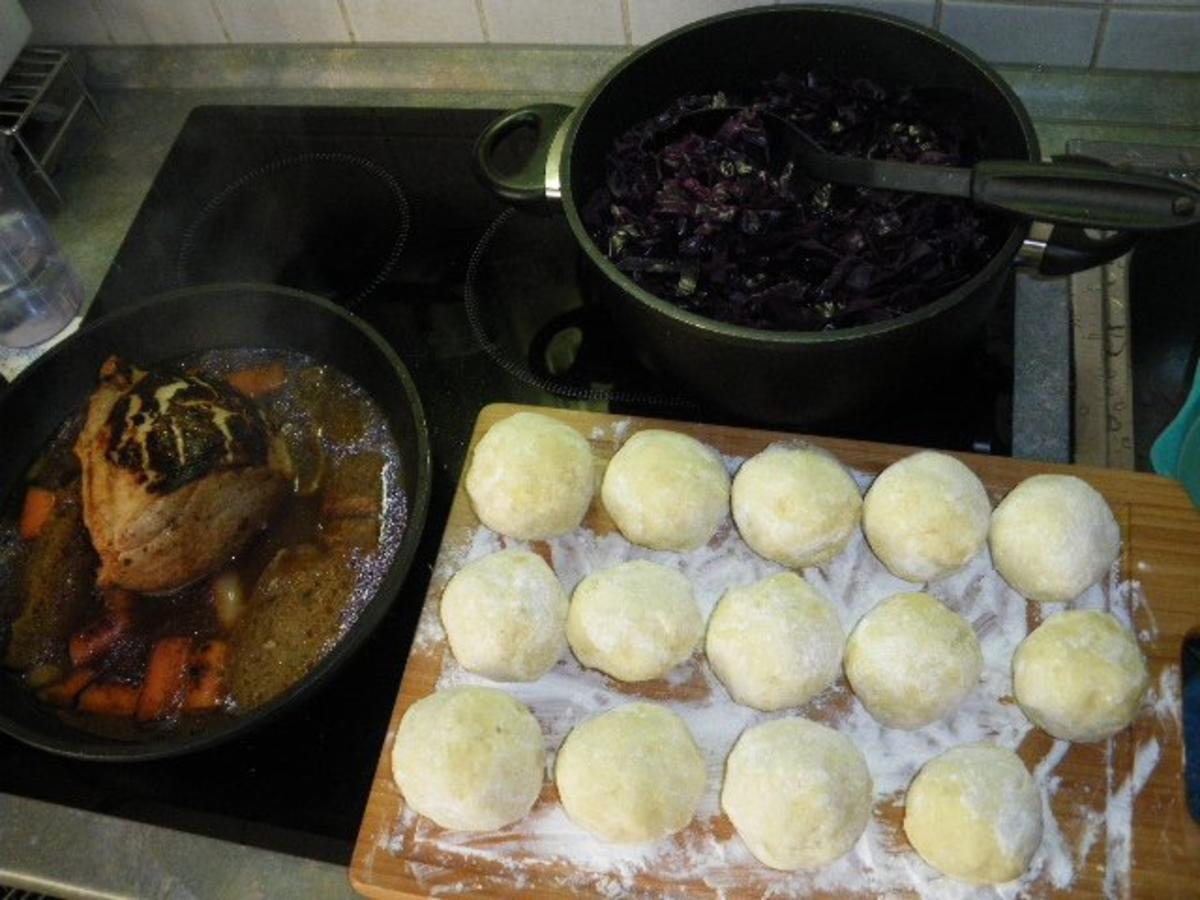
1058	250
527	187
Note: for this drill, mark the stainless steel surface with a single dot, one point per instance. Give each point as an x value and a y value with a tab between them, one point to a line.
1151	159
1041	369
67	853
554	161
1033	248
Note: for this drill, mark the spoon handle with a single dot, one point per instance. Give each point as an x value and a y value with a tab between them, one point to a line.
1091	196
1061	193
888	175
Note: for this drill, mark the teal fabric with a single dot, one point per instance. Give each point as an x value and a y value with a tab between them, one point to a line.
1176	452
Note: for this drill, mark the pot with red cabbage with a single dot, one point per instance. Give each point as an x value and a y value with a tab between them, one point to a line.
776	299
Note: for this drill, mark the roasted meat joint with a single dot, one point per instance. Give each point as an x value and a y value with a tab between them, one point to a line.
179	472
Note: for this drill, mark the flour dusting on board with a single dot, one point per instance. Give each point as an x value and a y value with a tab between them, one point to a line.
546	848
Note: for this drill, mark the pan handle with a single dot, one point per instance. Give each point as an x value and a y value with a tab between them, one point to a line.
527	187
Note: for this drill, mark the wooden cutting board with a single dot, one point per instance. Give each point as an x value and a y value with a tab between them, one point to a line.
1161	532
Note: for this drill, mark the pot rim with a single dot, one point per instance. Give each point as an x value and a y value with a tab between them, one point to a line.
744	334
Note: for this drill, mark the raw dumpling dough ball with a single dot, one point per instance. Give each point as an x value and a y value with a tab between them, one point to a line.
505	616
776	643
975	814
910	660
632	774
795	504
531	477
926	516
798	793
635	621
1080	676
666	490
1053	537
470	758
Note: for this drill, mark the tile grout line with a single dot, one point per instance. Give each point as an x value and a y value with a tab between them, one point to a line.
216	11
98	11
938	8
346	20
1101	31
627	23
483	22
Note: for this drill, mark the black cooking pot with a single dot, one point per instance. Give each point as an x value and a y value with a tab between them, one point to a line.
786	377
36	404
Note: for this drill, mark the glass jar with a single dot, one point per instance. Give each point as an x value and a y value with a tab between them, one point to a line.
39	290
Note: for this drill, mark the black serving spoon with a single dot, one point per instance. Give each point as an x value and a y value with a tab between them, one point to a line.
1092	196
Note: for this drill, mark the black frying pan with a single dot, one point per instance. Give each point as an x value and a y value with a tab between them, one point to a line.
181	322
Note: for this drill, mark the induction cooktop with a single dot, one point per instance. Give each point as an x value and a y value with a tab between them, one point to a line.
377	209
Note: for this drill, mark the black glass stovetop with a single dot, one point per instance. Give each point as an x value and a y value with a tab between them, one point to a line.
378	209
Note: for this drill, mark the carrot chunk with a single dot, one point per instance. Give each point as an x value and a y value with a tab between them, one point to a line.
65	692
260	381
109	699
206	677
39	504
165	683
94	641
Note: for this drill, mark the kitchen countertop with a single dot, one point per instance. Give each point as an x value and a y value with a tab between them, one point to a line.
106	170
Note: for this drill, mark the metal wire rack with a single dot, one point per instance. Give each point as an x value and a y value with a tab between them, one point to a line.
11	893
23	96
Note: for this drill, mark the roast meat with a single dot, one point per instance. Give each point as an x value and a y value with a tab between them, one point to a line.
179	472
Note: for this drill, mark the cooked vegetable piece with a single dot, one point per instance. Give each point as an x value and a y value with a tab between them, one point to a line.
166	679
294	615
343	416
258	382
206	689
229	598
354	487
57	583
35	514
352	534
43	675
110	699
65	692
94	641
307	456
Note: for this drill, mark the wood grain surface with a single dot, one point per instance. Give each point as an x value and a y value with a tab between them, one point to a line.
1161	549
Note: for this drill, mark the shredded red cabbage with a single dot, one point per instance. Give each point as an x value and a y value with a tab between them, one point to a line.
702	222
